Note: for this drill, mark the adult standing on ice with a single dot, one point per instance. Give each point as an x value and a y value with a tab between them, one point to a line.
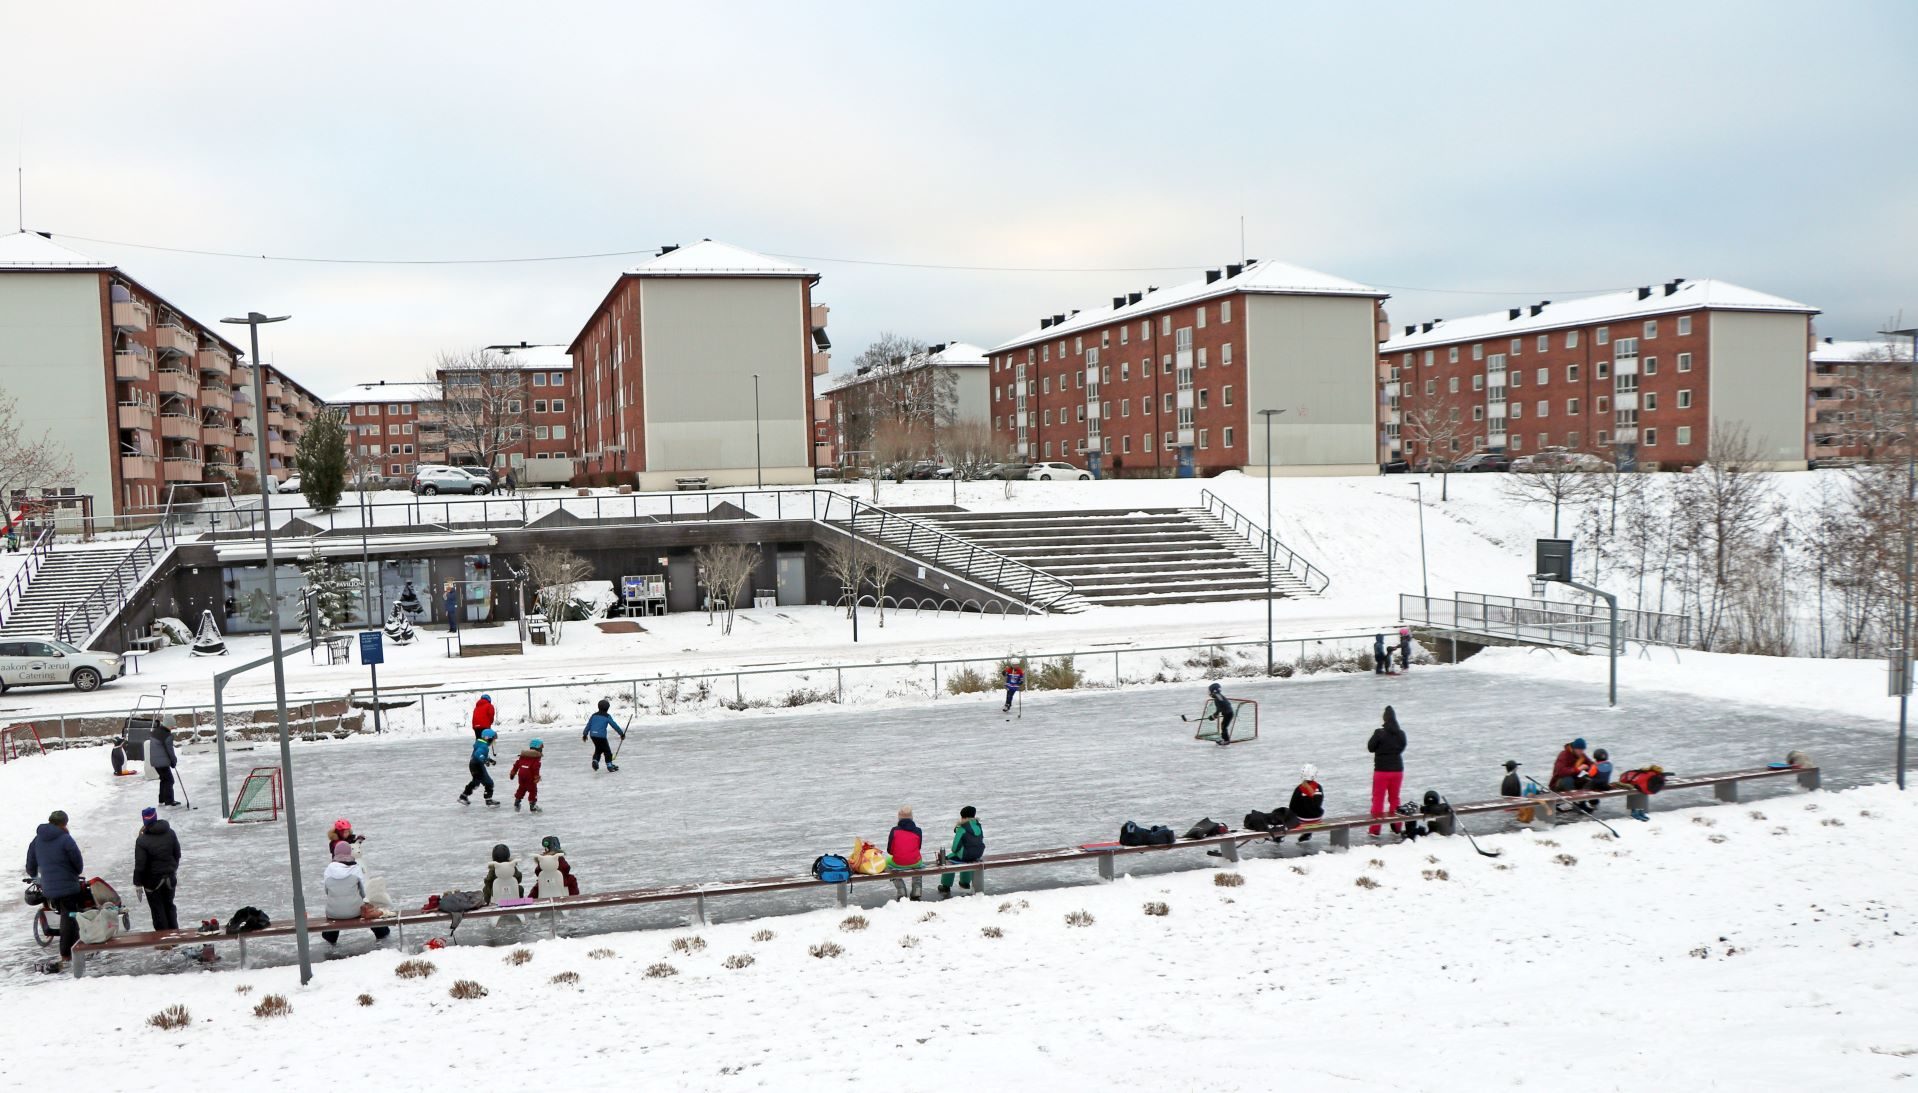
595	730
162	757
55	858
482	758
482	715
156	868
1388	766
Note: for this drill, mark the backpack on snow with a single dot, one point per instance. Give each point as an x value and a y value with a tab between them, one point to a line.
246	920
458	903
1205	829
831	868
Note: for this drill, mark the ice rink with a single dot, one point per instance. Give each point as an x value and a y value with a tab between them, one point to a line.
761	797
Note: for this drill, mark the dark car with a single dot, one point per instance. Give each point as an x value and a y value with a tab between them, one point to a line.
1010	472
1483	461
1396	466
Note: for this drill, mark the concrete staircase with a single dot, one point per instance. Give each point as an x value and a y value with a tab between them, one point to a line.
65	578
1128	557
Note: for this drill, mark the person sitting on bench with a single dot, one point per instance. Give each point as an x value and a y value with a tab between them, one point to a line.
1569	770
1308	799
345	887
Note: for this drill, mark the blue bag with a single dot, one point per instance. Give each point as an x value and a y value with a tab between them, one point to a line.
832	868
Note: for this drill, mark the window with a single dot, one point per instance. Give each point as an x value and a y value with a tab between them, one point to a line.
1431	387
1571	373
1168	404
1078	346
1165	325
1125	407
1603	335
1544	342
1205	439
559	379
392	449
540	433
512	406
1684	324
1518	345
1571	339
1145	406
1684	362
1201	316
1478	351
1204	400
1105	409
1078	382
1105	373
559	405
1125	371
1601	404
1125	442
1625	347
1451	355
1684	398
1428	358
1147	440
1684	434
1478	383
1651	329
1225	355
1081	415
1225	397
1045	385
1225	316
1451	385
1202	356
1517	444
392	430
1165	366
1651	438
995	393
1544	408
1168	440
1517	378
393	408
559	433
406	429
1478	413
1145	331
1571	407
539	379
1518	410
1451	414
1105	339
1571	440
394	469
1544	376
1544	440
1603	369
1048	449
1651	400
1048	417
1226	436
1649	366
539	405
1603	438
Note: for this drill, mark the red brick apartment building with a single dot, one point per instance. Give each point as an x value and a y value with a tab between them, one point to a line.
1165	377
699	363
143	395
1857	400
1641	376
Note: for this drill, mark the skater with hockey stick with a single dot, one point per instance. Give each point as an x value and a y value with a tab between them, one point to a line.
482	758
1219	709
1014	677
595	731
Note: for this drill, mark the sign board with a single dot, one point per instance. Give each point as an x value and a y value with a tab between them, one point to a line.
1095	463
1554	560
632	587
1185	461
372	649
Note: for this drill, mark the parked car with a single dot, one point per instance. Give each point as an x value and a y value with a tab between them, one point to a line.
34	662
1009	472
432	480
291	485
1480	462
928	468
1395	466
1558	459
1434	465
825	474
1046	472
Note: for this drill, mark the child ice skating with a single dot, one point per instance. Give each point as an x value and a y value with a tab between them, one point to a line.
1219	708
596	727
482	758
525	772
1015	680
482	715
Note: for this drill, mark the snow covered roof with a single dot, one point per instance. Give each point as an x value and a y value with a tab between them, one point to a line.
547	356
31	250
1267	276
387	392
960	355
707	258
1631	303
950	355
1849	352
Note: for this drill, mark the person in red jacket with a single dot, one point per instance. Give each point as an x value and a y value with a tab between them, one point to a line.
1568	770
526	772
904	850
482	715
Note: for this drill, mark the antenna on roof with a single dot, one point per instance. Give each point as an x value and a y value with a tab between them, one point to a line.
1241	239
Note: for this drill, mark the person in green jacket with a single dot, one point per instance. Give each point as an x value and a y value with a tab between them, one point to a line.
968	845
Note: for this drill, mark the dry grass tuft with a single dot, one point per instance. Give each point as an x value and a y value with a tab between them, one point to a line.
273	1005
170	1018
1436	874
1366	882
739	960
1228	880
825	950
1300	870
464	989
1502	866
909	942
993	931
564	979
1157	909
1757	815
1375	863
1715	838
852	924
1704	821
1547	842
244	988
928	916
1078	918
1601	836
691	943
364	999
415	969
764	935
661	970
1832	821
1564	859
519	956
602	954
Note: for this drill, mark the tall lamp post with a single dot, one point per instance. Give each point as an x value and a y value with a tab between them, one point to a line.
1271	543
759	473
1425	583
1902	674
252	322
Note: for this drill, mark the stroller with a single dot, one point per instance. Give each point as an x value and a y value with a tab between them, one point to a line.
102	915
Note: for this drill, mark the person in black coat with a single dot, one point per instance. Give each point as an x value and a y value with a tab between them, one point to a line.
1381	660
156	868
1308	799
163	758
1388	766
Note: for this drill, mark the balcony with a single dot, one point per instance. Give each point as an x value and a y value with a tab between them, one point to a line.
1625	366
1495	440
822	409
274	389
136	415
181	468
279	446
1625	434
824	455
216	398
821	362
275	419
215	360
179	427
819	316
139	466
131	315
219	468
175	381
1392	417
132	365
221	436
243	395
172	338
1625	400
1392	389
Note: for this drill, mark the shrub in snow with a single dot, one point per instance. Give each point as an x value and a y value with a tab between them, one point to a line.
1078	918
273	1005
365	999
1299	869
1057	675
519	956
602	954
968	681
1704	821
909	942
691	943
993	931
1437	874
1565	859
1548	842
928	916
764	935
1715	838
244	988
853	923
739	960
414	969
1377	863
1756	815
1157	909
171	1018
564	979
1832	821
1228	880
660	970
464	989
825	950
1366	882
806	696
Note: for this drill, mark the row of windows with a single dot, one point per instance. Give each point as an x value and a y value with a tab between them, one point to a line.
1201	395
1202	440
1648	438
1044	352
1543	376
1078	377
362	410
1600	336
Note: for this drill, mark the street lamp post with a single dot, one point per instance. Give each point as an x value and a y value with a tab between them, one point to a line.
1903	675
759	473
1425	583
252	322
1271	543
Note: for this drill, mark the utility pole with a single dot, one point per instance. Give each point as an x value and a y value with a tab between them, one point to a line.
1902	675
1271	540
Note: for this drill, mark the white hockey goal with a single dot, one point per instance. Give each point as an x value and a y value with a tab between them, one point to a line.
1245	721
260	799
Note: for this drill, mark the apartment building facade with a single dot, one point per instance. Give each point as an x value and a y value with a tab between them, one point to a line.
847	402
1170	381
144	396
700	363
1857	399
1640	377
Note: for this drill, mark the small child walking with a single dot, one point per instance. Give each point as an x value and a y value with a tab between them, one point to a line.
595	730
525	772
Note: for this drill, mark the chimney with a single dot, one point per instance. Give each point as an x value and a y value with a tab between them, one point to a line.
1671	286
1045	321
1513	313
1233	271
1411	329
1118	302
1426	329
1827	342
1644	292
668	249
1134	297
933	350
1211	275
1540	306
1250	262
1151	289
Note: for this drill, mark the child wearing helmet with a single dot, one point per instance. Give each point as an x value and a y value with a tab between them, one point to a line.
1308	799
502	877
1601	775
482	715
525	772
551	875
482	758
595	730
1219	708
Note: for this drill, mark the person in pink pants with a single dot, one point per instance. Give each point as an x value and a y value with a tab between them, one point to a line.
1388	767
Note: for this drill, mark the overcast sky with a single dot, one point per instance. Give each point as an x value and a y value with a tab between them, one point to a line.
1535	150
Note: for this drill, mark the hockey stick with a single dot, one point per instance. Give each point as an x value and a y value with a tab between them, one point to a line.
185	797
1459	826
1557	796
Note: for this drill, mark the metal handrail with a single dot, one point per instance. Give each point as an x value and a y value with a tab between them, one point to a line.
16	589
120	583
1314	579
1540	621
1042	589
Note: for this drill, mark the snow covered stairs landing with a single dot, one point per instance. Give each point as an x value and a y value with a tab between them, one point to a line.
1128	557
65	578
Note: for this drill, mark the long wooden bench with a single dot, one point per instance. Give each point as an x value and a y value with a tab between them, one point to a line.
1725	786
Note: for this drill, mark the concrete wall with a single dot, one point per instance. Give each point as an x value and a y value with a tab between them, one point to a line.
1757	382
1315	358
52	362
704	339
975	395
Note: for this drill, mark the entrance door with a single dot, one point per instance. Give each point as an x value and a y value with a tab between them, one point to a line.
792	578
682	584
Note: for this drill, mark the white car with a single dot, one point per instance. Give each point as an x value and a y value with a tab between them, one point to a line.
291	485
1046	472
33	662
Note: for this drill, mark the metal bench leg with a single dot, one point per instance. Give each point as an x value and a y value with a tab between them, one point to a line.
1230	851
1808	778
1726	791
79	963
1341	838
979	882
1105	867
844	891
552	923
699	909
242	952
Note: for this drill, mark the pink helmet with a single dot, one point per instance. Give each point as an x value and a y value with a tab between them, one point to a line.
342	824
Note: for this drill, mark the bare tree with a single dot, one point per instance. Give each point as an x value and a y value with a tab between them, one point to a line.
896	446
28	460
485	400
895	381
1725	515
1439	427
970	448
885	566
1557	482
555	575
848	563
723	569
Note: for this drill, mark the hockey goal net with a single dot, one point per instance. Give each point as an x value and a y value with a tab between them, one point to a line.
1245	721
17	741
259	799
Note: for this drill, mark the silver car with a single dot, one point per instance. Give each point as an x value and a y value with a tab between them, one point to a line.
31	662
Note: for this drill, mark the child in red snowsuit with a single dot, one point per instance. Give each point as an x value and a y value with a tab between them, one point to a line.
526	772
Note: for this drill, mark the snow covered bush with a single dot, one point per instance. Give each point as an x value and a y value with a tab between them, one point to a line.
564	979
170	1018
1565	859
1366	882
853	923
691	943
519	956
273	1005
1078	918
763	935
465	989
909	942
1057	675
993	931
602	954
825	950
738	961
661	970
1157	909
968	681
1228	880
365	999
414	969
